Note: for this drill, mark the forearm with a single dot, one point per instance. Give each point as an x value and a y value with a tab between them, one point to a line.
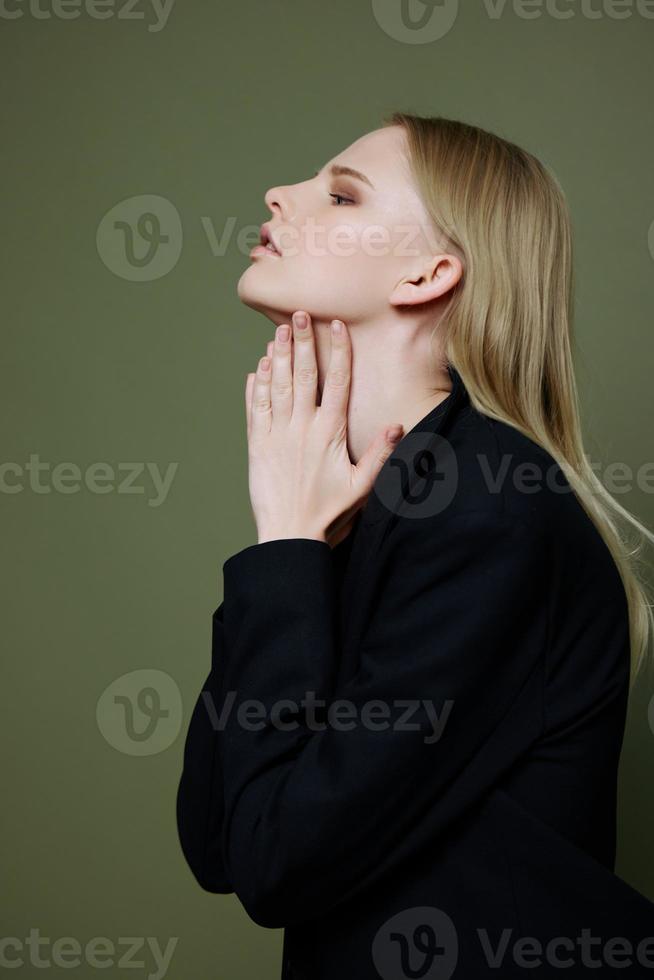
199	802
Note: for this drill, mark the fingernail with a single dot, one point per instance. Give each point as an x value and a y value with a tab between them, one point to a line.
300	320
264	363
337	326
283	333
394	433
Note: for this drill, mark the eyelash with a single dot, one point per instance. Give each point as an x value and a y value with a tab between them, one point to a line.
342	198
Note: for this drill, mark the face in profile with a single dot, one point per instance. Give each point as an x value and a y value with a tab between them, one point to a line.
351	239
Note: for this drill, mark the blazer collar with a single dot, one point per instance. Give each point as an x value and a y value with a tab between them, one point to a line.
436	421
374	517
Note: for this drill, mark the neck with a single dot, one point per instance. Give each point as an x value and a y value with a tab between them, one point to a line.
395	378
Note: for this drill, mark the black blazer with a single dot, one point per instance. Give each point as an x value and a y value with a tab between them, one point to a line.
457	813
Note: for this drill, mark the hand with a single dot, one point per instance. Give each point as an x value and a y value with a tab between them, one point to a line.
302	481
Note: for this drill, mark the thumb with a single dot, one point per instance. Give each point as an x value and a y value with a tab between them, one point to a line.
377	453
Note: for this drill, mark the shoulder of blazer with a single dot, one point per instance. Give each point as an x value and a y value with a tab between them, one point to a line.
457	460
434	505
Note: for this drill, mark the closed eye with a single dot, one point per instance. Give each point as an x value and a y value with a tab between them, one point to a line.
340	197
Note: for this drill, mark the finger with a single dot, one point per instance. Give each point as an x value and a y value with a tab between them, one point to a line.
368	467
305	370
336	389
261	404
269	348
282	374
249	384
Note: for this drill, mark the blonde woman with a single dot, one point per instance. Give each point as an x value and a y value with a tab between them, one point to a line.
406	751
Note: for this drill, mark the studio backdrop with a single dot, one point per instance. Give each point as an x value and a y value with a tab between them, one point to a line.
138	142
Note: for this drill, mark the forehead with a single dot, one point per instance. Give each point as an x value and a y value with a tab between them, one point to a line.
388	140
382	156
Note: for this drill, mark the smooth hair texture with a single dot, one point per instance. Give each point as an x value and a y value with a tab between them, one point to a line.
508	326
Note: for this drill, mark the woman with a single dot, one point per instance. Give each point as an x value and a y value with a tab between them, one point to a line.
406	750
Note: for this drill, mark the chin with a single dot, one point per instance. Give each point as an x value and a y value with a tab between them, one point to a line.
246	290
255	295
262	293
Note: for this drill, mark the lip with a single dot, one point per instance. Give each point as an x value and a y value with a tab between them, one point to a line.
264	250
267	238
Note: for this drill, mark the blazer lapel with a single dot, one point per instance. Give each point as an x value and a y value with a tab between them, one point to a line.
372	522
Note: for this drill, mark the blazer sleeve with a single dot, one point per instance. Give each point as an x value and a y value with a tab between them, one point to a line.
200	804
321	801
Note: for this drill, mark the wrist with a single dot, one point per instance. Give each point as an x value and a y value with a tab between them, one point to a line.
279	534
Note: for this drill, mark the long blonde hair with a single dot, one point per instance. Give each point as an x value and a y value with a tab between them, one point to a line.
508	327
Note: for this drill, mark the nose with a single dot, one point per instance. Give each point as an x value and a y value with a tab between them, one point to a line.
278	200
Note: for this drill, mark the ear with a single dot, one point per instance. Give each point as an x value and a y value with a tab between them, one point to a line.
440	274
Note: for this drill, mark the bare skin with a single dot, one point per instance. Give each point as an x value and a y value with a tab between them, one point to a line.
302	480
368	256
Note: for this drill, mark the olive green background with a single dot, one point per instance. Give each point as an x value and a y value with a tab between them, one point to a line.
207	113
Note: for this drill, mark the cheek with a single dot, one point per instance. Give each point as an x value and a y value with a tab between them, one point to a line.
342	269
353	271
346	252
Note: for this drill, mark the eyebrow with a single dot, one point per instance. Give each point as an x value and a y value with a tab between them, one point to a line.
338	170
